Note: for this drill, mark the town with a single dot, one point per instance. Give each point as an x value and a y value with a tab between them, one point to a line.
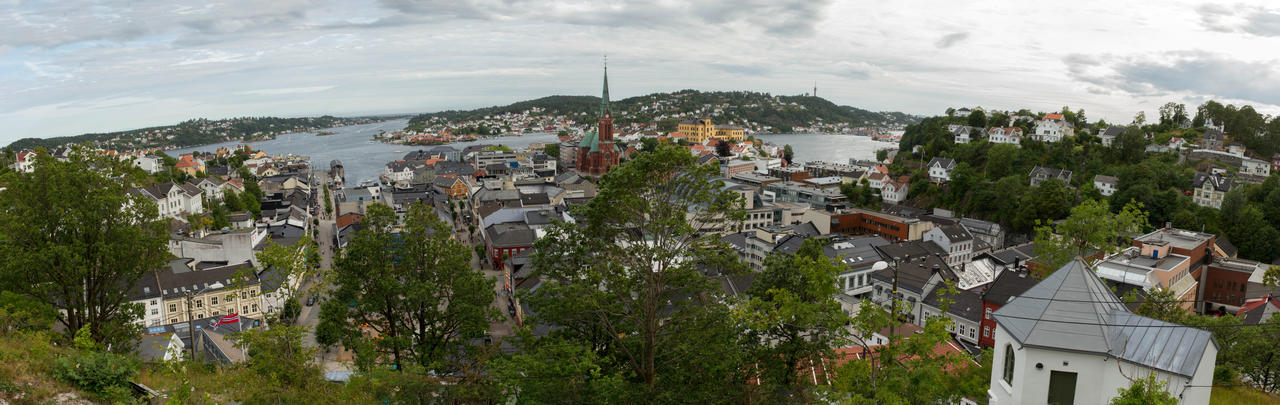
988	247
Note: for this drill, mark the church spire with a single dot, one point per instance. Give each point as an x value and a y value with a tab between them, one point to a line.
604	97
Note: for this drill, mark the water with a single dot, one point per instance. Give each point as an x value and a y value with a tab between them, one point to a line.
362	157
828	147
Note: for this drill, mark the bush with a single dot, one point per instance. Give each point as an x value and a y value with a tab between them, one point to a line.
103	374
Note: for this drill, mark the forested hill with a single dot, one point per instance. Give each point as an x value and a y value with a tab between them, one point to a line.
192	133
760	111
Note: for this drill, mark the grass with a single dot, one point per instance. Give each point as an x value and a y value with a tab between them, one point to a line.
26	368
1241	396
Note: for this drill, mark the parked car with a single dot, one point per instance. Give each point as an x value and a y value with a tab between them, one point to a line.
311	300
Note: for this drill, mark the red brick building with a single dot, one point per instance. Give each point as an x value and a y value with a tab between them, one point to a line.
597	152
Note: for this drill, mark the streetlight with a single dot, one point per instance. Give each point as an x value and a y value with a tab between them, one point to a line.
191	329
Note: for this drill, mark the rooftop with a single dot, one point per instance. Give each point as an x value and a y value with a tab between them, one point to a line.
1073	310
1179	238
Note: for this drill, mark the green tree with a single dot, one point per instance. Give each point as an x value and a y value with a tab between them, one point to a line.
882	155
723	149
788	154
792	317
72	235
627	280
413	286
1145	391
977	118
1090	228
279	354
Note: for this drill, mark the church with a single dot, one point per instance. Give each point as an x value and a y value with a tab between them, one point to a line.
597	152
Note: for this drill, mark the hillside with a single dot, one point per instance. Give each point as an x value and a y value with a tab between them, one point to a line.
192	133
759	111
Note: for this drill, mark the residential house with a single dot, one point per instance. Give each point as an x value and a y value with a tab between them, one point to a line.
174	200
1208	190
915	280
1069	339
149	164
217	291
962	133
876	181
1039	174
1275	162
1052	128
454	187
212	187
1255	167
400	171
964	310
1213	139
25	161
895	191
1110	134
940	169
1106	185
1009	135
990	233
189	164
955	240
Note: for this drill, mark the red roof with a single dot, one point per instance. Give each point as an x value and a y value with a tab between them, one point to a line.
22	156
1053	117
1257	302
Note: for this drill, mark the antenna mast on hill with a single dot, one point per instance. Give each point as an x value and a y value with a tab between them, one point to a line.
815	89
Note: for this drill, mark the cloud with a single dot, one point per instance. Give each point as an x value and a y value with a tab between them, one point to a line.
453	74
284	90
749	70
949	40
1240	18
1191	72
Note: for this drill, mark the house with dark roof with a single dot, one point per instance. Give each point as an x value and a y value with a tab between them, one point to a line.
1069	339
940	169
1208	190
507	239
914	279
1106	185
955	240
1040	174
964	310
1109	135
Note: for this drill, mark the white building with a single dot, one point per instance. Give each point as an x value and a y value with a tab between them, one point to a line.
174	200
894	191
149	164
1255	167
25	162
940	169
1052	128
399	171
1069	340
1009	135
954	239
1106	185
1208	190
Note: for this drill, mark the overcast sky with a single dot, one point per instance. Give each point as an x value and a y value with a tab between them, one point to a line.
69	67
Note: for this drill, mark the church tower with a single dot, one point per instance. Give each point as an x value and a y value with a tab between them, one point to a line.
605	126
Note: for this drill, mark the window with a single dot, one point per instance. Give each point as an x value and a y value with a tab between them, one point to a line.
971	332
986	331
231	297
245	308
155	311
988	314
173	320
255	307
213	300
200	304
1008	364
173	307
200	315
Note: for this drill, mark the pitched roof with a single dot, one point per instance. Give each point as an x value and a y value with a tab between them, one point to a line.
1051	173
966	304
1254	309
1216	181
955	233
1101	178
1113	131
1073	310
1008	284
945	163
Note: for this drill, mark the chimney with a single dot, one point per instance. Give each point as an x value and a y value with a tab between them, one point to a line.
936	268
1168	225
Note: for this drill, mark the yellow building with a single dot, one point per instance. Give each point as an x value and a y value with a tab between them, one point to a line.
699	131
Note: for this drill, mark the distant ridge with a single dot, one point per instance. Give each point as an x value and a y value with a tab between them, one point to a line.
776	112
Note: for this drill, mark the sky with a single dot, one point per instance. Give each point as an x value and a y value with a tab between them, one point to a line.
71	67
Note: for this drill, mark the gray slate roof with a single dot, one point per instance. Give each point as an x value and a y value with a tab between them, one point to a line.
1073	310
945	163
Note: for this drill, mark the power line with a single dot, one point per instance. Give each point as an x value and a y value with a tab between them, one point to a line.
1170	325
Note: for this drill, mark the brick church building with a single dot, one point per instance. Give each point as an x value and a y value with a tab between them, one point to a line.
597	152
